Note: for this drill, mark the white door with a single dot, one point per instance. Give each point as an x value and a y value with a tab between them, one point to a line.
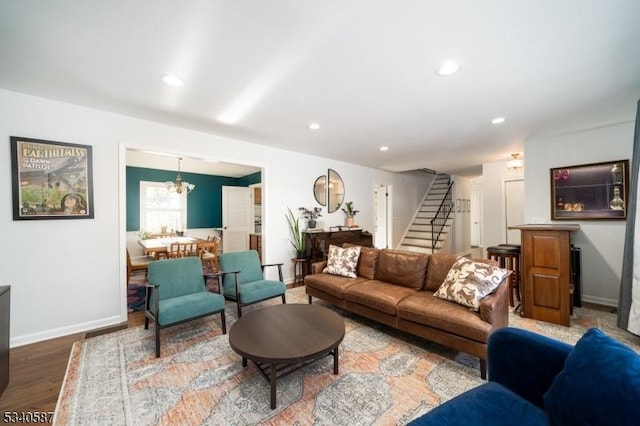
514	208
236	218
380	209
475	218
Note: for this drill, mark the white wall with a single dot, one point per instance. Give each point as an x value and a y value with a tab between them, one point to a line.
601	242
69	275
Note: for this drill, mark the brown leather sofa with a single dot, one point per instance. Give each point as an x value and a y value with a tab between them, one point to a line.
396	288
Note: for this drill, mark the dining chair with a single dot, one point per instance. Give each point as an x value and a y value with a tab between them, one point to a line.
183	250
137	263
243	279
177	293
209	251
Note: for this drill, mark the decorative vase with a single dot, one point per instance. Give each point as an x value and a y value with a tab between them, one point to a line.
300	255
350	222
617	203
311	223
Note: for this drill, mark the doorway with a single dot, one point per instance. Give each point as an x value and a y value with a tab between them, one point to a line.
513	209
475	239
381	215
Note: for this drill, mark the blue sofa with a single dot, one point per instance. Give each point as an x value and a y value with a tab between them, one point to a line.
535	380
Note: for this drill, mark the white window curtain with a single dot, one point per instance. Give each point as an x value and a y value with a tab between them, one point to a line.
629	300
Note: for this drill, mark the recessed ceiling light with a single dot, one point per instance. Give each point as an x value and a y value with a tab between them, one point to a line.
448	68
498	120
172	80
314	126
384	148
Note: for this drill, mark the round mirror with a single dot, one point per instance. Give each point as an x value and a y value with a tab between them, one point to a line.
335	191
320	190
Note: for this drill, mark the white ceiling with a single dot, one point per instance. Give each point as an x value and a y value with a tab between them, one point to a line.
262	70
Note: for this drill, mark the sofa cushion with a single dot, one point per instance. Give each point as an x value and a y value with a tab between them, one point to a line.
378	295
469	282
332	284
367	261
439	265
487	404
402	268
600	384
423	308
342	261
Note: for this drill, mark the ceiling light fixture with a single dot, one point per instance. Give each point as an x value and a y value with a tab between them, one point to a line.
314	126
498	120
448	68
172	80
515	162
179	185
384	148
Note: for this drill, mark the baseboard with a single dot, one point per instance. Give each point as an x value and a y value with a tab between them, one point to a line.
64	331
600	301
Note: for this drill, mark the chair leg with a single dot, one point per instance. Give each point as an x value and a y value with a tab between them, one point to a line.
146	323
284	300
223	318
483	369
310	299
239	310
157	341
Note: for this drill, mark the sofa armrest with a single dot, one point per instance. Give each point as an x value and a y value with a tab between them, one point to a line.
525	362
317	267
494	308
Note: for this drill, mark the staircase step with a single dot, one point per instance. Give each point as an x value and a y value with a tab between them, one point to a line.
413	249
416	242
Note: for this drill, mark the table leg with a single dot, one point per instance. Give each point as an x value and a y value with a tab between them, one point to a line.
272	381
335	360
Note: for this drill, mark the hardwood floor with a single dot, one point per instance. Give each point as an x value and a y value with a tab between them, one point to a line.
37	371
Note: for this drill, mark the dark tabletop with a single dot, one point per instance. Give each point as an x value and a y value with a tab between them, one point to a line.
286	333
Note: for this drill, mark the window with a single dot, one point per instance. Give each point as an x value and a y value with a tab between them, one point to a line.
160	208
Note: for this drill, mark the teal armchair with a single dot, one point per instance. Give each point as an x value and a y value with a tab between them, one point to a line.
243	279
177	293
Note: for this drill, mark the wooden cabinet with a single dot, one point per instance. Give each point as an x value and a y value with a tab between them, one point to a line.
255	243
317	243
5	302
546	272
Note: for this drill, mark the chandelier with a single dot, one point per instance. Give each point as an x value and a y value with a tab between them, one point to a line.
179	185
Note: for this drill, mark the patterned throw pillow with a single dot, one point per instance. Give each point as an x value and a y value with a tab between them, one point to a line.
469	282
342	261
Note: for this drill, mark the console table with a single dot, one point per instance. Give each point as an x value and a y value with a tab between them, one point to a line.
546	271
317	243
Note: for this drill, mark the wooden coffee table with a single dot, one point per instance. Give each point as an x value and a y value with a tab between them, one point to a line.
282	338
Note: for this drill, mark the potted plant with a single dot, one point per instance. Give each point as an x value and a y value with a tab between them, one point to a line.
311	215
297	236
350	212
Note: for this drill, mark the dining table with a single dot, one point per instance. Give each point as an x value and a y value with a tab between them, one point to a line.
157	246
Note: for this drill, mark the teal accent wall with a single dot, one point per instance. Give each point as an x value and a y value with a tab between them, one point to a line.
204	204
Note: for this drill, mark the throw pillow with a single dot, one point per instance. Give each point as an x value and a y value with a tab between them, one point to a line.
469	282
342	261
600	384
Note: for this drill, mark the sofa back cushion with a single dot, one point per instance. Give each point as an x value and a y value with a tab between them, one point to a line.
600	384
367	261
439	266
402	268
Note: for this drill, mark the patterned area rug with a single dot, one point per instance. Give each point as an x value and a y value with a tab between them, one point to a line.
386	377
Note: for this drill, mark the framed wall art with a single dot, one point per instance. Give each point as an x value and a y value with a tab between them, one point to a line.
51	180
590	191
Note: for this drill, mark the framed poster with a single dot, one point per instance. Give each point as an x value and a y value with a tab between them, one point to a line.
590	191
51	180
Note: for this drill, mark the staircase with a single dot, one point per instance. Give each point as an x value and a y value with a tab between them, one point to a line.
419	237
